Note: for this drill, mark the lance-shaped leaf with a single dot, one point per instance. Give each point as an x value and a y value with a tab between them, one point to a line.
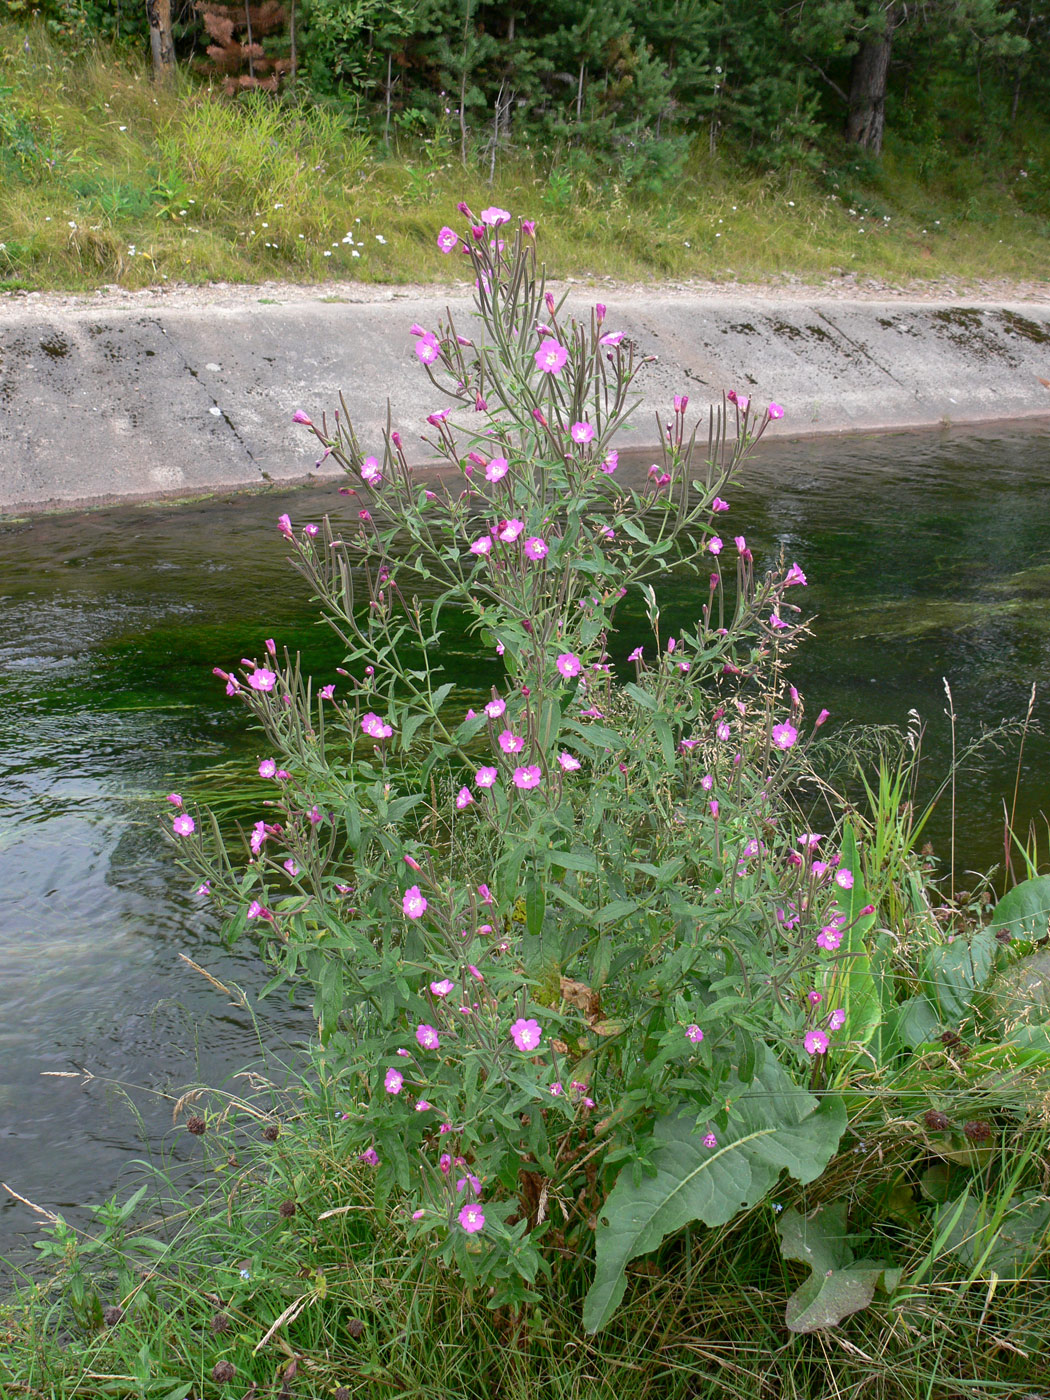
838	1285
774	1126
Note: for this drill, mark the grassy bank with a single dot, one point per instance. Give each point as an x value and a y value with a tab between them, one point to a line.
104	179
269	1264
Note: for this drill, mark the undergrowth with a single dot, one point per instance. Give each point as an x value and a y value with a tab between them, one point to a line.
105	179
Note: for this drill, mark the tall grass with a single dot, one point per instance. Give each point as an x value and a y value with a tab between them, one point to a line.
104	179
330	1301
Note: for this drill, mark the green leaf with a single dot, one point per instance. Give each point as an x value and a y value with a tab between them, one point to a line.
994	1243
615	912
837	1285
1024	911
774	1126
953	972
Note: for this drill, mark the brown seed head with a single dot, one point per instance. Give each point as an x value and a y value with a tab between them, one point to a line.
342	1393
223	1372
355	1327
286	1210
220	1323
196	1126
936	1121
271	1132
112	1315
978	1130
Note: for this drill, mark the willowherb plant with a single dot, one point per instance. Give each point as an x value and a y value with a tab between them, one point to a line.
566	950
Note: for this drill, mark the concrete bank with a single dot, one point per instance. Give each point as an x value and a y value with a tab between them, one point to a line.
155	398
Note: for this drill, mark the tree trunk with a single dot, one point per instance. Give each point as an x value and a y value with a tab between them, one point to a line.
161	41
867	90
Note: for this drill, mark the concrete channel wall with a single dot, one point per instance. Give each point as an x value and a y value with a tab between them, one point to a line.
170	397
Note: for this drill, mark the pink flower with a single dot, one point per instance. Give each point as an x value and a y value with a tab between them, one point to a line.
569	762
794	575
528	228
635	655
612	461
816	1042
551	356
256	911
814	998
718	504
723	732
371	472
175	798
783	735
428	1037
536	548
569	665
510	530
527	777
713	807
428	352
710	1140
495	708
707	782
413	903
267	768
284	524
472	1218
300	417
375	727
511	743
486	777
526	1035
447	239
393	1081
291	867
442	988
494	216
370	1157
821	718
775	411
463	798
844	879
262	679
482	545
714	545
837	1020
485	894
741	543
829	939
612	338
497	469
581	433
694	1033
184	825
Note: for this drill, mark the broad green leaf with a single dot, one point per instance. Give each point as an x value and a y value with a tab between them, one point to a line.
838	1285
953	972
991	1243
774	1126
1024	911
916	1023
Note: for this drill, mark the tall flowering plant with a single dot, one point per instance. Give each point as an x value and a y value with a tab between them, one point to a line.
575	973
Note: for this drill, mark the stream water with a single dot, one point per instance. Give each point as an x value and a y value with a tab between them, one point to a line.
928	557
